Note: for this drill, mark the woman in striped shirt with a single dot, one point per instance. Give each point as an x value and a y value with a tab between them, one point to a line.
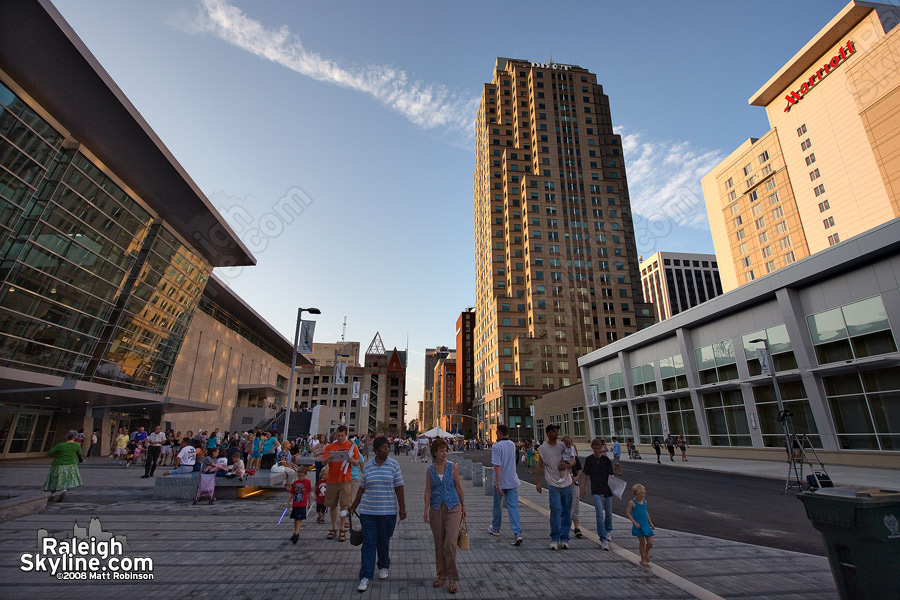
379	501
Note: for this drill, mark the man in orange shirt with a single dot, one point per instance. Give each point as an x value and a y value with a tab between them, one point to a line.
337	490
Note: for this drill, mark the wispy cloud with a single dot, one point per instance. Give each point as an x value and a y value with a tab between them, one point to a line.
431	106
664	178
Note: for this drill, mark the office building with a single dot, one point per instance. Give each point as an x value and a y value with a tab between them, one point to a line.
445	389
464	420
832	323
106	244
427	417
829	167
372	397
676	281
556	267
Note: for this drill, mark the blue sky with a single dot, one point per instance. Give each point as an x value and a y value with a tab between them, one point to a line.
359	116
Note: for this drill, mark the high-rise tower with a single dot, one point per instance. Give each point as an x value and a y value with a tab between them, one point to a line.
556	265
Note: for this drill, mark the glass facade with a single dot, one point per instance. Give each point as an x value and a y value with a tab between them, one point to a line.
682	420
727	419
93	286
853	331
648	421
866	409
793	395
779	344
716	362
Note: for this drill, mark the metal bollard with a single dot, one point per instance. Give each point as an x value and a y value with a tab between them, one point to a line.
477	474
465	469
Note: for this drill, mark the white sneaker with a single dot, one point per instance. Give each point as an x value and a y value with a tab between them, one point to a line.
554	546
564	545
383	573
608	536
363	585
493	531
605	545
517	541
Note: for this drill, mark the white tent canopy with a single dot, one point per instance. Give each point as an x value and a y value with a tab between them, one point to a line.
437	432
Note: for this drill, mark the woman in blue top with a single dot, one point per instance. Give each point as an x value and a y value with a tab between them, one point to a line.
444	509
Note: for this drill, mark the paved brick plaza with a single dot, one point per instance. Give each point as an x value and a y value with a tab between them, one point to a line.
234	549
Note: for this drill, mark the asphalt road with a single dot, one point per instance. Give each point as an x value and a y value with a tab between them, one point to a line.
723	505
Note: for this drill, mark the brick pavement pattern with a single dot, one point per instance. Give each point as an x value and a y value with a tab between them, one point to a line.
234	549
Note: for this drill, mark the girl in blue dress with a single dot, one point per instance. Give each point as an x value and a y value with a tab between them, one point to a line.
641	525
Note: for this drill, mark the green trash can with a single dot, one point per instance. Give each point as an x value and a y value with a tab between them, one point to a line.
861	528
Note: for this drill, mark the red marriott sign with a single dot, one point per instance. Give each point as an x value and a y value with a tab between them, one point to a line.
843	54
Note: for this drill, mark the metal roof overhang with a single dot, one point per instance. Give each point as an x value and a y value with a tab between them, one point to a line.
45	56
52	391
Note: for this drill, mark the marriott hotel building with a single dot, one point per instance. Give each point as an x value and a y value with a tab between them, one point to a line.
829	167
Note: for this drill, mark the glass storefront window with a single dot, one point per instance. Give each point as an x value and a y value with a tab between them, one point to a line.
616	387
648	420
855	330
682	420
866	409
716	363
643	379
598	387
601	423
793	395
622	421
779	344
727	419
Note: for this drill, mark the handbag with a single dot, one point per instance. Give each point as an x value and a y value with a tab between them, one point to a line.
356	535
463	539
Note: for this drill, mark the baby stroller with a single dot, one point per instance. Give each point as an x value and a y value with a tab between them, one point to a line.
206	488
635	454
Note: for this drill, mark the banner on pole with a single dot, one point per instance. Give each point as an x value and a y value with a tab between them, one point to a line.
595	397
307	330
340	373
763	357
365	400
355	388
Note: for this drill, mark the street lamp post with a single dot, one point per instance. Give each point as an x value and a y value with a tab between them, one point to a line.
290	402
518	432
784	417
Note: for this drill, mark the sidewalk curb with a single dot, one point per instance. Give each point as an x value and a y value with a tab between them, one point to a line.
680	582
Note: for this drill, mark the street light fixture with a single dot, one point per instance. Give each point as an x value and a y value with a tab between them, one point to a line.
784	417
290	401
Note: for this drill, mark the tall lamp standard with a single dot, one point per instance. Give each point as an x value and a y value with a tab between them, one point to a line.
784	417
333	375
290	402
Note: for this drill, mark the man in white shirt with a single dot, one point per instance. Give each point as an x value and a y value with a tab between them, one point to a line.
154	446
184	462
506	484
559	485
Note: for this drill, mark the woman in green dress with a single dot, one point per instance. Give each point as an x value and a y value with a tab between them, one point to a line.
64	470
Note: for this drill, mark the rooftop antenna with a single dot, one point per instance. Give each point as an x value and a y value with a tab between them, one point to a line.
344	330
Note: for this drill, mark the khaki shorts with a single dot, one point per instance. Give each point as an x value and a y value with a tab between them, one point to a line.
337	492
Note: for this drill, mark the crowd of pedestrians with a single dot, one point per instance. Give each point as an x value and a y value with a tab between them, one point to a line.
348	482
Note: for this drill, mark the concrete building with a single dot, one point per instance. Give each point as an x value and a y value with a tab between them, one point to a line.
106	244
556	267
465	372
372	398
445	390
676	281
427	417
564	407
829	167
832	321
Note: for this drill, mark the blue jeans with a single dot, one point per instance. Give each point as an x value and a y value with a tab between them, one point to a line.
377	531
560	513
603	505
512	507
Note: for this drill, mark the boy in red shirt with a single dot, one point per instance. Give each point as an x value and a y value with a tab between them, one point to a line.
300	491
